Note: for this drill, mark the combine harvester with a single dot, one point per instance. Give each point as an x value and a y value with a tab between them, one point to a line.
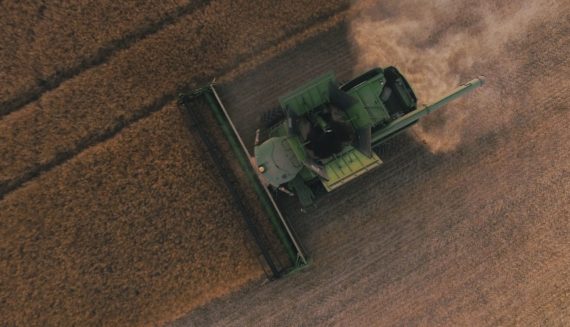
323	135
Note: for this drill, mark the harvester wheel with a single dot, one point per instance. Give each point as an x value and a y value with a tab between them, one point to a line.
272	117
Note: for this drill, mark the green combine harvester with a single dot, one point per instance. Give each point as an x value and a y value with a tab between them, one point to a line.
323	134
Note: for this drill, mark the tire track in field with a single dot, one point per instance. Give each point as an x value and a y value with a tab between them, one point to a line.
96	59
232	69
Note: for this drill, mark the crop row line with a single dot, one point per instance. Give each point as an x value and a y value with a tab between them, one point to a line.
83	145
98	58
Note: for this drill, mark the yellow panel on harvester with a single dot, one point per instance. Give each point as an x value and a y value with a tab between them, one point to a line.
347	166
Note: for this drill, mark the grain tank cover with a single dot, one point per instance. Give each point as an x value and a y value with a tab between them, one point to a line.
309	96
277	161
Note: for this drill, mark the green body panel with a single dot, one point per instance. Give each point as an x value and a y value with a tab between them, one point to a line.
308	96
369	102
307	174
347	166
297	148
359	116
303	192
281	163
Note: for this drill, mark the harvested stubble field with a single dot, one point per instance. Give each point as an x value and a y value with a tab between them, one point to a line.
106	197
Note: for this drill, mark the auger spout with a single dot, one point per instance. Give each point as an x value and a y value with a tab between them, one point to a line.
412	117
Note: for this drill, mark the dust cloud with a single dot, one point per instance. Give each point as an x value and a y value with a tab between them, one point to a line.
441	44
